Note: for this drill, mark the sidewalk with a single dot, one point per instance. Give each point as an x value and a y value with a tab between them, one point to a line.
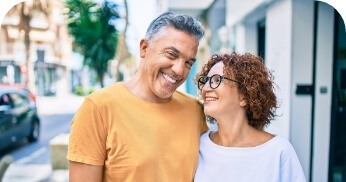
67	103
26	169
29	169
34	173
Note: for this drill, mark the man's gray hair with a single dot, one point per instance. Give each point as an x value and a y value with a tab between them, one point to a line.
184	23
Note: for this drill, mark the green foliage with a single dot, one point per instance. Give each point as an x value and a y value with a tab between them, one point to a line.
95	35
90	90
79	90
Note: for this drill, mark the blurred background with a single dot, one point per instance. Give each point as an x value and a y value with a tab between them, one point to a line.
58	51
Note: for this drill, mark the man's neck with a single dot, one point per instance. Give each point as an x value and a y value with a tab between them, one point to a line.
141	90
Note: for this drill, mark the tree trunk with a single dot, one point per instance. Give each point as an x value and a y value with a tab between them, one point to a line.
26	28
100	77
119	58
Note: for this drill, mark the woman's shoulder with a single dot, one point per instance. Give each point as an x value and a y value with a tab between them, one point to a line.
283	146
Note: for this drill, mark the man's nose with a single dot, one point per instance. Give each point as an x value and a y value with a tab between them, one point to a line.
179	68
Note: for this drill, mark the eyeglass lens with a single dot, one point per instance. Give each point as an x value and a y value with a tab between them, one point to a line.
214	81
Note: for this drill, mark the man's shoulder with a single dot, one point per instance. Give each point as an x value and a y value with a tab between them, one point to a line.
106	93
187	98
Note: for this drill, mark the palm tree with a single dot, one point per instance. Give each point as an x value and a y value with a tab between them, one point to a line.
94	31
123	52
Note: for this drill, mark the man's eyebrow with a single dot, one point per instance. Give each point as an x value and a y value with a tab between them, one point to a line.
178	52
173	49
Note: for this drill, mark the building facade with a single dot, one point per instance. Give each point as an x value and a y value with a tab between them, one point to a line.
304	44
50	48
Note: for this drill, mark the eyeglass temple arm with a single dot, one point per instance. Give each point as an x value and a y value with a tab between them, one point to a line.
232	80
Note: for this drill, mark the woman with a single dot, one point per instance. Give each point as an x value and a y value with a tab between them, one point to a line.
237	91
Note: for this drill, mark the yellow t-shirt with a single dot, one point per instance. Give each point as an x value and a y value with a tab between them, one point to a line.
137	140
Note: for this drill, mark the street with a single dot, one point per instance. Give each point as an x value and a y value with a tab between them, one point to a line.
51	125
55	115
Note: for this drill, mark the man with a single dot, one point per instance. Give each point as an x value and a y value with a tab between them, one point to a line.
143	129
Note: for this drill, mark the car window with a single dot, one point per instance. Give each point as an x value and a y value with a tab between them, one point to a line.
18	100
5	100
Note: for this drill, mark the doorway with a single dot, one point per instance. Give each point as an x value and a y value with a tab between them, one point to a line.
261	37
337	159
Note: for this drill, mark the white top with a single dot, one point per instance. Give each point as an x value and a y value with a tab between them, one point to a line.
274	160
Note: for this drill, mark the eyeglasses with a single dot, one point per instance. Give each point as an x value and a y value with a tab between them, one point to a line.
214	81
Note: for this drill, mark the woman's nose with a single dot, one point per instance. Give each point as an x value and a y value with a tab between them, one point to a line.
206	86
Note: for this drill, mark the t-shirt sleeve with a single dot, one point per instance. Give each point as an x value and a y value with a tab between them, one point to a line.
203	122
87	142
291	169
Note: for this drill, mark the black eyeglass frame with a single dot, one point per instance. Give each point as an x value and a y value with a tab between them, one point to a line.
200	83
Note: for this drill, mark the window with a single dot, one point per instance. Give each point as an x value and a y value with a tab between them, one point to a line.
18	100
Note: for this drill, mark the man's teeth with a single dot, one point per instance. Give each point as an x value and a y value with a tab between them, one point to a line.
169	79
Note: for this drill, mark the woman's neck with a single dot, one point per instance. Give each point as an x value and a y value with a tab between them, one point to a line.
238	133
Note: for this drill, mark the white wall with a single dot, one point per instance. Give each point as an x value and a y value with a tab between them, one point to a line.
6	6
324	72
278	53
290	53
3	43
240	38
278	59
246	36
251	38
289	50
302	73
236	10
141	13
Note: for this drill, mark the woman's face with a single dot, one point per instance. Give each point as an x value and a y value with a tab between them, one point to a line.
225	99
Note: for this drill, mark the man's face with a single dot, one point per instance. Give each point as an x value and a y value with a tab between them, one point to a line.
166	62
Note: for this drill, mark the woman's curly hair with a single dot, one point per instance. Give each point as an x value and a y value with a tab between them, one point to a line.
256	84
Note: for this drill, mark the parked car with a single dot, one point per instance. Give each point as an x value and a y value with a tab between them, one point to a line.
19	86
18	117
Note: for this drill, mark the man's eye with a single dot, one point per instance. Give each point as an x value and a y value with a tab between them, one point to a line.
171	55
189	64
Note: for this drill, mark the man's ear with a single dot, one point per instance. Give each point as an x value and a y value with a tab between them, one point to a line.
143	46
